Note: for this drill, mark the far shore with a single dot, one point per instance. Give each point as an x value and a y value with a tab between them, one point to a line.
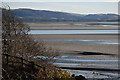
73	26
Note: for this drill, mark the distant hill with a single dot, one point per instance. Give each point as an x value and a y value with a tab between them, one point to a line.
44	15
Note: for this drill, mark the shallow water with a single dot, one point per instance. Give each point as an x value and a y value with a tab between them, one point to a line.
73	32
76	61
69	60
101	25
86	61
85	64
110	25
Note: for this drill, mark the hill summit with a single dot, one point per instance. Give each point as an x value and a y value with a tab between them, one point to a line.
45	15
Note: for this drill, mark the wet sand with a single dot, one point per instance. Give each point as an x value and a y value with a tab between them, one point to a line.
73	26
77	56
81	50
73	36
74	48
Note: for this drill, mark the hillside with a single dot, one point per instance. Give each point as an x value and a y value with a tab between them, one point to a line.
44	15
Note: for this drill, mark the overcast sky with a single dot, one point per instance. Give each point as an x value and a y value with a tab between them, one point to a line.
70	7
60	0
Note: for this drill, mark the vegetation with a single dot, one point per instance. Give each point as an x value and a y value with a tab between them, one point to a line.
17	42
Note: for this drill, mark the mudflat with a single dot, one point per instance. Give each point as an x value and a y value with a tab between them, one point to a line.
77	48
73	25
73	28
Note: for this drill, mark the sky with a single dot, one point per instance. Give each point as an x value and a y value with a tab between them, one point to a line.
71	7
60	0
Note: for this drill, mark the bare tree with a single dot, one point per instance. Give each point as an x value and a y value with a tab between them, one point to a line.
17	42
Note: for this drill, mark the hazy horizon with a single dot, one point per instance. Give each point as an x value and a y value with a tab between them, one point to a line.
69	12
69	7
